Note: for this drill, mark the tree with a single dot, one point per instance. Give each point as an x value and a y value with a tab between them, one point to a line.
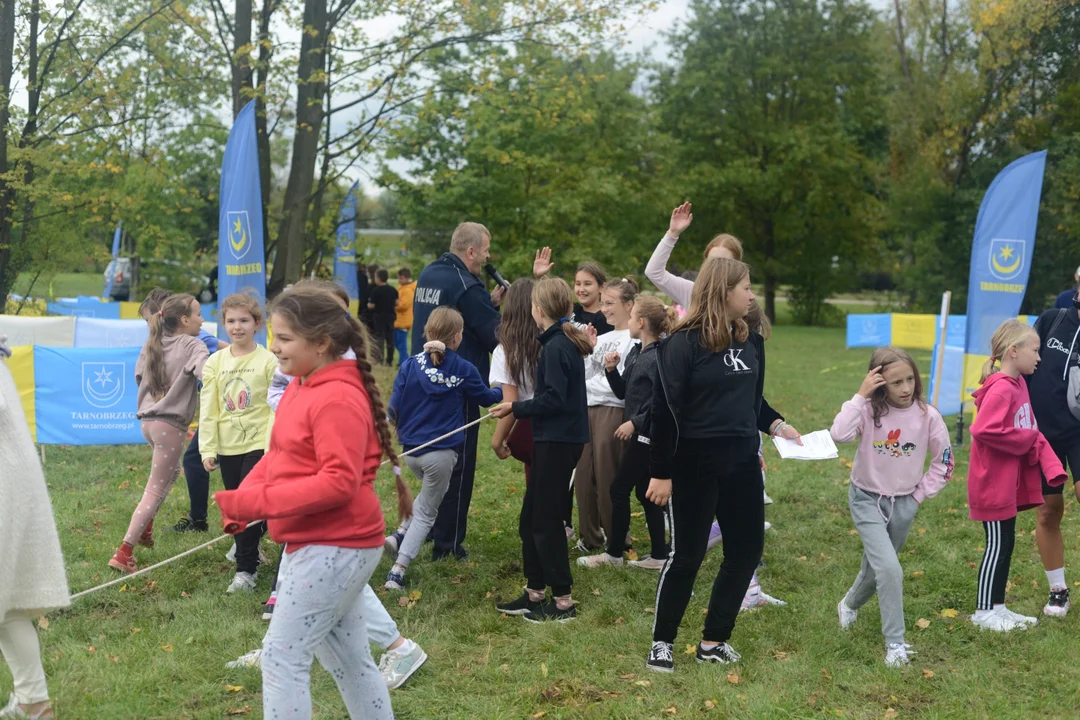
777	104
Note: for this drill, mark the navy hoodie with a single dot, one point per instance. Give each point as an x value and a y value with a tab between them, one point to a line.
559	409
429	401
1049	383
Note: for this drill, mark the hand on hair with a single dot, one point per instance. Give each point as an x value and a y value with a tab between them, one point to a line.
497	295
873	380
611	361
542	264
658	492
210	464
625	431
681	217
502	410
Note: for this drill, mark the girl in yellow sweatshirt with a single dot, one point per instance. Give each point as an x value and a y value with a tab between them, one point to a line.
234	415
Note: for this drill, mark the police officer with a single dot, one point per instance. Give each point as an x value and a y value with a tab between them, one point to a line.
454	281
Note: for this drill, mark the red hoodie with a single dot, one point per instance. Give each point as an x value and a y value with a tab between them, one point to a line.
315	486
1009	455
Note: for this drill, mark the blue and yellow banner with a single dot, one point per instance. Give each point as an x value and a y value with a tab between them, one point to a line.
1001	257
240	219
345	245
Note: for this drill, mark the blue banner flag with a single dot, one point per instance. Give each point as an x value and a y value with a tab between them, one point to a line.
84	307
1001	257
111	274
345	245
869	330
240	219
98	333
89	397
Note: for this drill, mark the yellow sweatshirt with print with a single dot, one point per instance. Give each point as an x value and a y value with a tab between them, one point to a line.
233	412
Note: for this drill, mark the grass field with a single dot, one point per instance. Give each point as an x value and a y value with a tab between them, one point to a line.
158	649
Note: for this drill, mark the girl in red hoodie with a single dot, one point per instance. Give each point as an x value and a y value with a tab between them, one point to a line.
1008	457
315	487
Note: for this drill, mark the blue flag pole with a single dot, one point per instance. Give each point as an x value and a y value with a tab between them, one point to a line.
112	266
1000	260
240	225
345	244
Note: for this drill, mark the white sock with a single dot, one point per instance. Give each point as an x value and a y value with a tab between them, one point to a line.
708	645
983	613
399	568
1056	578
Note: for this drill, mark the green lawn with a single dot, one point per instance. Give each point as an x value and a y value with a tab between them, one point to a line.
158	649
60	285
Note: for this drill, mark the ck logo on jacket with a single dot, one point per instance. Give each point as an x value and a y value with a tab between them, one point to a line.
734	362
1025	419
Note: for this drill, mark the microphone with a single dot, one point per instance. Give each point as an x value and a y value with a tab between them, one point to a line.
496	275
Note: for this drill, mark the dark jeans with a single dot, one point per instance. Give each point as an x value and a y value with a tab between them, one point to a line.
234	468
384	341
401	344
198	480
452	521
633	476
545	559
721	478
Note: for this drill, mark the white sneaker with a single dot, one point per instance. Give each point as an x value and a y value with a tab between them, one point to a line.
648	563
1058	604
398	665
1025	619
847	615
595	561
231	555
569	533
13	711
898	654
757	598
997	621
768	500
250	660
243	582
768	525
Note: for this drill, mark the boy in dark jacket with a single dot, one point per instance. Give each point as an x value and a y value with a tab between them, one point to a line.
383	304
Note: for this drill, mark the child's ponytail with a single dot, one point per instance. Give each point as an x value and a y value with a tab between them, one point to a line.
1008	335
441	330
660	319
578	337
988	369
163	322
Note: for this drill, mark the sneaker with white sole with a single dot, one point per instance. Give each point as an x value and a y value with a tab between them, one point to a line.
570	533
997	621
249	660
661	657
768	500
756	598
395	580
399	664
520	606
393	543
1058	604
13	711
595	561
268	607
648	563
1025	619
722	653
715	537
768	525
847	615
898	654
231	555
243	582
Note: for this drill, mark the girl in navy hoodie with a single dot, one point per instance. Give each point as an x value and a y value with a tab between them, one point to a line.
428	402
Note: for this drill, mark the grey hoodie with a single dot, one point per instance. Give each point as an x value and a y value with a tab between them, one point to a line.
184	357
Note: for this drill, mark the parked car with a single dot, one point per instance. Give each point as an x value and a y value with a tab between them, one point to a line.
167	274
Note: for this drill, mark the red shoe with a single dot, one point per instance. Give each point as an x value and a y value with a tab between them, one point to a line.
123	560
147	538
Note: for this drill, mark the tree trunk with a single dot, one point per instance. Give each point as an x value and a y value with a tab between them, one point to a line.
310	88
262	133
7	193
241	59
770	276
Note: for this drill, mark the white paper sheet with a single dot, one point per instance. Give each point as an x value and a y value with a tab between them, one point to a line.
816	446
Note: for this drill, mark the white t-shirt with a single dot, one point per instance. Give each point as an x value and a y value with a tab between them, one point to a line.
499	375
597	387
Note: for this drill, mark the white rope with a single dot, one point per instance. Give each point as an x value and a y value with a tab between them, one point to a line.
208	543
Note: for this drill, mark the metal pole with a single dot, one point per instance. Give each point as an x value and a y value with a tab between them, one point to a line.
939	360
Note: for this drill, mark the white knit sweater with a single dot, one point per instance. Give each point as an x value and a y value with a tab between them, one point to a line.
32	577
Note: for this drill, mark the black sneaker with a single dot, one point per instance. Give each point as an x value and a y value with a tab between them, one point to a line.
518	607
1058	604
189	525
661	658
550	612
722	653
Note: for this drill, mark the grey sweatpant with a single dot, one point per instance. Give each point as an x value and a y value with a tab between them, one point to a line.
433	468
883	524
320	613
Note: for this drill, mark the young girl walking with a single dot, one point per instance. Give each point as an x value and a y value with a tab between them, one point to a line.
513	368
428	401
1007	454
167	373
234	416
649	321
897	430
707	414
560	430
315	487
599	461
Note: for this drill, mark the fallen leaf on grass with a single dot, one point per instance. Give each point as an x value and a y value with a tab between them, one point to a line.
596	591
734	678
167	648
922	531
403	601
691	649
710	704
846	463
627	676
124	587
922	623
185	594
234	688
852	531
537	716
543	669
949	613
239	711
636	514
826	674
917	573
890	714
802	557
651	611
928	673
124	485
135	630
643	683
620	620
415	595
632	555
780	655
43	623
115	659
91	649
670	711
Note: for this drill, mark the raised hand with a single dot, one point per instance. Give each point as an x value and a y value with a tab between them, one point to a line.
681	217
590	332
542	264
873	380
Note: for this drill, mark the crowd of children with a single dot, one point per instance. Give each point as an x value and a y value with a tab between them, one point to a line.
599	398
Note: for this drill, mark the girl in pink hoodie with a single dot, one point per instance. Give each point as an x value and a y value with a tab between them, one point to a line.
1008	454
897	432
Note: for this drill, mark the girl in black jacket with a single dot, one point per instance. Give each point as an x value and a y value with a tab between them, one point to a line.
560	424
707	413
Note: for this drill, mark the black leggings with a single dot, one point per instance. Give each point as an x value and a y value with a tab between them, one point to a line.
545	558
721	478
198	480
633	475
234	468
994	571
